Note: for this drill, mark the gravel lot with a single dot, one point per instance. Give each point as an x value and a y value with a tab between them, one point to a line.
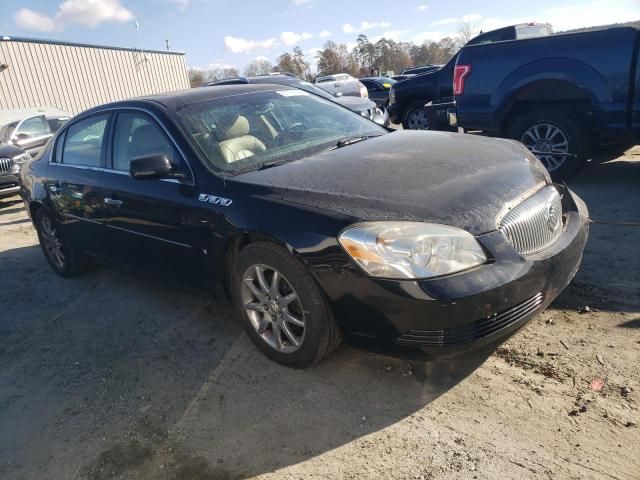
114	376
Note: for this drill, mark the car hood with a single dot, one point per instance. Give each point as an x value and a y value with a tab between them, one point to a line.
357	104
447	178
9	151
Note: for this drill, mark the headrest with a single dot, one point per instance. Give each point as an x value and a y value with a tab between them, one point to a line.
238	127
146	139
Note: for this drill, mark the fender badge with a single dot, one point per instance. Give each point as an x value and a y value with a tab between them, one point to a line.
223	202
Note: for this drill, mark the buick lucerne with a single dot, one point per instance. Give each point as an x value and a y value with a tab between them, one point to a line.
316	222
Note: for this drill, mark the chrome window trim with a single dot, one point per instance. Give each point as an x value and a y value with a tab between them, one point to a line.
17	129
106	170
121	109
68	215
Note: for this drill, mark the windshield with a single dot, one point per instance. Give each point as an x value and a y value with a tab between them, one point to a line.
247	132
6	131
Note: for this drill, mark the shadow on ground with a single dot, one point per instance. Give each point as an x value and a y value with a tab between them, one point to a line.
119	376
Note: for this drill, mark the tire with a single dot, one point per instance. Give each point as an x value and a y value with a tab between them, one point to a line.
546	123
73	262
415	118
320	334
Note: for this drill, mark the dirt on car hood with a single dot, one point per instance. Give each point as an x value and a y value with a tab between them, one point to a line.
447	178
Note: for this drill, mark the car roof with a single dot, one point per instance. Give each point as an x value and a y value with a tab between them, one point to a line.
10	116
174	100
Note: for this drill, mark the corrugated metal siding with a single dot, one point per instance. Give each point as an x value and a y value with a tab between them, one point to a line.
75	78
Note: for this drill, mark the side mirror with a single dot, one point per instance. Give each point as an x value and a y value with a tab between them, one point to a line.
20	139
150	167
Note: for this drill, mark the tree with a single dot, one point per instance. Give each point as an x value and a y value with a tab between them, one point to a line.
329	59
220	74
466	31
259	66
302	67
196	77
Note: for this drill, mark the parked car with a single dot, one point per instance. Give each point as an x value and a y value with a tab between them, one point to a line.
363	106
30	129
11	158
342	85
557	95
407	98
318	223
378	89
419	70
399	78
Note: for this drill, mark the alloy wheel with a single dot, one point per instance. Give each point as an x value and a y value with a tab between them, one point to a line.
273	308
51	242
417	120
548	143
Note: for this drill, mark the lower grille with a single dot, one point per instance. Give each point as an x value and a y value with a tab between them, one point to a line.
473	331
5	164
534	224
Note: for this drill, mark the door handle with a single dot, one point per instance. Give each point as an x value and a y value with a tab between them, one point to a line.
113	202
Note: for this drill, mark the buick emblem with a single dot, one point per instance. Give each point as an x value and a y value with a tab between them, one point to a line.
553	217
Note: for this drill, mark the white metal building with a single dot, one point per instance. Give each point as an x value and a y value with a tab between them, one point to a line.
75	77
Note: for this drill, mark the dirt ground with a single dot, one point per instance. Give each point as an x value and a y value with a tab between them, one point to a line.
114	376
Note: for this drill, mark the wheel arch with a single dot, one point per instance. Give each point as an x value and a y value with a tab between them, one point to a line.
557	80
546	94
233	248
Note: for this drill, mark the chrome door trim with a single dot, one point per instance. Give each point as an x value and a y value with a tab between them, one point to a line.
68	215
107	170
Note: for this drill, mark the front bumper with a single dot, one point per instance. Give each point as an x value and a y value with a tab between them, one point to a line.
463	311
9	185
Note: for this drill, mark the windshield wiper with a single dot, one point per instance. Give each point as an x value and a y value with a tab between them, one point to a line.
350	141
273	163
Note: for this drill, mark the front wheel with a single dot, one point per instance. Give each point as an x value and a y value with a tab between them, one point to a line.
282	309
416	119
557	138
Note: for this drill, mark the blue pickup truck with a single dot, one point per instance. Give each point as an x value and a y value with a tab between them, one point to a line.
558	94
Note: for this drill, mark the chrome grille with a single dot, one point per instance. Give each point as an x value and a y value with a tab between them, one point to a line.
5	164
535	223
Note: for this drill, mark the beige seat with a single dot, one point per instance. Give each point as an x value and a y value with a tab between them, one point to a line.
238	144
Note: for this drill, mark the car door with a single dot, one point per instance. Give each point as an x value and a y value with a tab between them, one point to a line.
31	134
73	178
376	92
150	222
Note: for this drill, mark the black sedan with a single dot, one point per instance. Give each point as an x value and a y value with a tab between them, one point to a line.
318	223
378	88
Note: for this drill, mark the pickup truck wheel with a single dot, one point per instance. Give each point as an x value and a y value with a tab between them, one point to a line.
555	137
282	308
415	119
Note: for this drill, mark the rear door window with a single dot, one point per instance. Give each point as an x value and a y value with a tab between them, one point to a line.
84	142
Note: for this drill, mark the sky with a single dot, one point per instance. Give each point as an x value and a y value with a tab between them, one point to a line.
222	34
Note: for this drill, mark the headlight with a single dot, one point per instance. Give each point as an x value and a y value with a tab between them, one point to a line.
411	249
392	96
364	93
21	158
